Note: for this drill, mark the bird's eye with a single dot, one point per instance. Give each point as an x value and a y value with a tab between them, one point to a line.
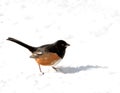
62	44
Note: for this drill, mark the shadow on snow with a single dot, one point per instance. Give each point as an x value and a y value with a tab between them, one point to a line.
67	70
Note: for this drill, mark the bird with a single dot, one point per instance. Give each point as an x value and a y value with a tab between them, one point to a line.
46	55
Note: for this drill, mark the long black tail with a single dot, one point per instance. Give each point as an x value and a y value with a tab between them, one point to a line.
30	48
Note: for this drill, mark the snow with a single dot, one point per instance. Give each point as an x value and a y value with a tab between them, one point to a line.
91	63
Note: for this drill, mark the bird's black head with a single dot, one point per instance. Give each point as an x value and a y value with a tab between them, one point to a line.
59	47
62	44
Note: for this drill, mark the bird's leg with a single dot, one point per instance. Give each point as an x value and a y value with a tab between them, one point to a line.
55	68
41	70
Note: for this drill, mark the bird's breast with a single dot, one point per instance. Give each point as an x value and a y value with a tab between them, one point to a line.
48	59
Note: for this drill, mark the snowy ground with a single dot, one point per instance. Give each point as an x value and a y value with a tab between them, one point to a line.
91	63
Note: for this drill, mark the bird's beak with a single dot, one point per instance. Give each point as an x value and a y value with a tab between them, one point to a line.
68	44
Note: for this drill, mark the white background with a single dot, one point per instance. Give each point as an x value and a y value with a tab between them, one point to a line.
91	63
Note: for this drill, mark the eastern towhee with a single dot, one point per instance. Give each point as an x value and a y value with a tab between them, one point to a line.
47	55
